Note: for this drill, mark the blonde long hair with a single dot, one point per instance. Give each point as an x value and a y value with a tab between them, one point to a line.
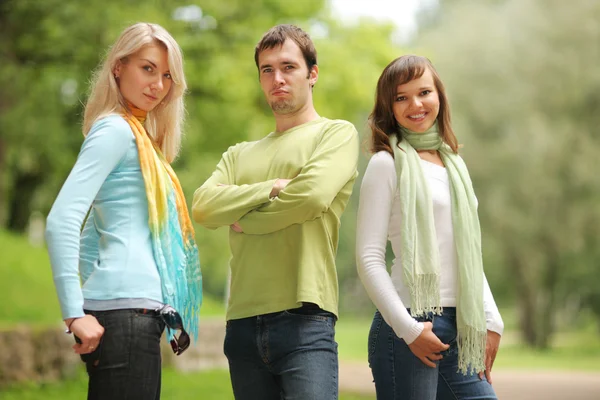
164	123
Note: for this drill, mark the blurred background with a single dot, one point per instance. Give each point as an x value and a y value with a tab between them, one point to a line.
523	81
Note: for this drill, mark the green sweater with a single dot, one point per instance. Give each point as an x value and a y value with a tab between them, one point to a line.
286	254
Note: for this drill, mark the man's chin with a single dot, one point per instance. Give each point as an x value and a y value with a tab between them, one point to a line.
283	107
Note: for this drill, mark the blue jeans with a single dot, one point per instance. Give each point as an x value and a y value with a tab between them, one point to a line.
399	374
289	355
127	362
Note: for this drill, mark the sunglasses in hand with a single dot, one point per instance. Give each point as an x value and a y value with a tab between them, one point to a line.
173	320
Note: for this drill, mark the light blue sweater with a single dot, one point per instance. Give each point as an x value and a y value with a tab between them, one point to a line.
113	255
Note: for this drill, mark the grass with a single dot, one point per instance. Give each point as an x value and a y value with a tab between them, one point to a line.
351	335
210	385
575	351
26	279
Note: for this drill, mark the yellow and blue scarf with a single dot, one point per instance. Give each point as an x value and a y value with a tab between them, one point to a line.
173	238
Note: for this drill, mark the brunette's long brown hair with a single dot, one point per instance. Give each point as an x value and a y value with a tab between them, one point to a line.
382	122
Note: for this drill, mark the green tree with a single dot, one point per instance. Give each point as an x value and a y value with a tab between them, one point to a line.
524	86
50	48
48	51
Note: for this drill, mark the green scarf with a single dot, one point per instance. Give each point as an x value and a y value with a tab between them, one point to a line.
420	258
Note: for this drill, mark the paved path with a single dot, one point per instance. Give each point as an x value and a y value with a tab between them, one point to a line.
356	377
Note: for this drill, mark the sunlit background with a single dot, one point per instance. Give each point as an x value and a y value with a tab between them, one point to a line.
524	86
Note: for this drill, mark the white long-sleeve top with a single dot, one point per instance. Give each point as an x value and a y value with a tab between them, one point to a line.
379	220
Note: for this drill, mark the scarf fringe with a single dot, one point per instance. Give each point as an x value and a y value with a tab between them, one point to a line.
193	280
471	350
179	260
425	295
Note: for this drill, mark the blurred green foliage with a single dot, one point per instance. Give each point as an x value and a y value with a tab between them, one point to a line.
524	86
50	59
521	76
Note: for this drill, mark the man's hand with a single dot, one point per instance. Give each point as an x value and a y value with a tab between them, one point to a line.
491	349
236	227
427	346
88	330
278	186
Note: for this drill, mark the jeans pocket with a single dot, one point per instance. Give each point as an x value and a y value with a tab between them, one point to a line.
151	323
92	359
374	335
444	328
114	349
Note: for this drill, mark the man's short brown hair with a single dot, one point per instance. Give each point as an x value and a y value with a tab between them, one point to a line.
277	35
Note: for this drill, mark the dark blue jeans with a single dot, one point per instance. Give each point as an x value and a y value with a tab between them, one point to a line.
289	355
127	362
399	374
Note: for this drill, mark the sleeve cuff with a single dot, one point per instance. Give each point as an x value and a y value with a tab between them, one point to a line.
70	298
413	333
495	324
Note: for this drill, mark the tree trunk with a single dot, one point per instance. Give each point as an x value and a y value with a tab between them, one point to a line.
526	302
2	180
537	300
547	307
24	187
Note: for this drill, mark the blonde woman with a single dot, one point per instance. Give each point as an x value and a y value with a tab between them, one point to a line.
134	267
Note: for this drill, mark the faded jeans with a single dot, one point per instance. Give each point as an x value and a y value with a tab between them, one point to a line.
290	355
399	374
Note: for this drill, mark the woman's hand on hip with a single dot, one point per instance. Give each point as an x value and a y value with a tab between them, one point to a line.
491	349
427	346
89	331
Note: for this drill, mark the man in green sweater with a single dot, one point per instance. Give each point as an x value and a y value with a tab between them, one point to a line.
282	197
